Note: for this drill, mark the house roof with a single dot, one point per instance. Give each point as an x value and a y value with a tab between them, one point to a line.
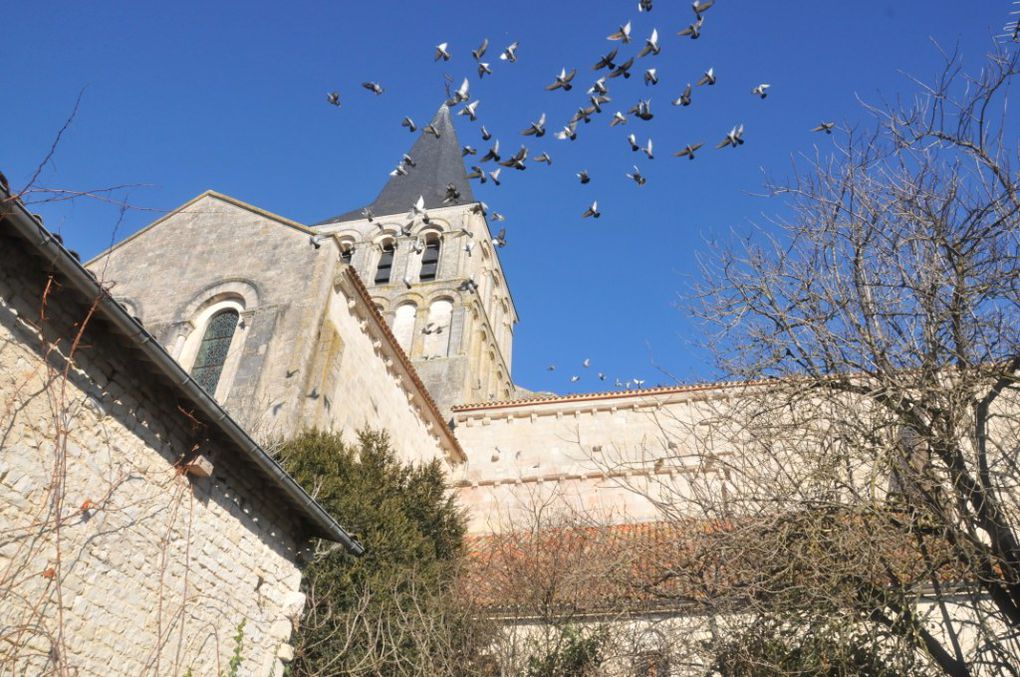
161	369
438	163
581	568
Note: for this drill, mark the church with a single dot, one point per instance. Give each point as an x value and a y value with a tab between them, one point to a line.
395	315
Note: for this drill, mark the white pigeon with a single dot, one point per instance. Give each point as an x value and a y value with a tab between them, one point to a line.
622	34
760	90
442	52
510	53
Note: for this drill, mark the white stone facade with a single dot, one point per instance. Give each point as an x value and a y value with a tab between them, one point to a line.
112	560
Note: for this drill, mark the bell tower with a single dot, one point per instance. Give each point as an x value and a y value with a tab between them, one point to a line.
424	250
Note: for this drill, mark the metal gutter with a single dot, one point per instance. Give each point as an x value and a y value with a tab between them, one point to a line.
32	231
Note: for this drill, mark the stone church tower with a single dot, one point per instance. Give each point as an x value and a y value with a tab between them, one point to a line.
436	276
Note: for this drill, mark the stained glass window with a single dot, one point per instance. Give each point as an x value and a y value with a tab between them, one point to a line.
212	353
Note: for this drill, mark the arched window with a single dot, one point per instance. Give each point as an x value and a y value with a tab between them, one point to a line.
212	352
403	325
437	329
385	267
430	259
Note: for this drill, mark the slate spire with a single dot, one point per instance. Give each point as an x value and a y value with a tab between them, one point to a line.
438	163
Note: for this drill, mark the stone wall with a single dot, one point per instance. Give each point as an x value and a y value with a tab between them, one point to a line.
604	456
299	360
111	561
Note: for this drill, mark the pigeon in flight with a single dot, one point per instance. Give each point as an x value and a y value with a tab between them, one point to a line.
623	69
618	119
409	123
536	128
701	6
551	367
492	153
462	93
575	379
469	111
563	80
607	61
510	53
688	150
622	34
651	45
334	98
597	101
431	129
468	150
442	52
543	157
636	177
648	149
708	78
367	213
599	87
733	138
592	211
632	140
494	175
644	5
477	173
825	127
694	30
496	216
401	170
452	194
483	69
685	97
418	209
406	159
586	363
316	240
642	110
500	239
650	77
760	90
373	87
486	134
568	132
583	176
583	114
469	247
407	281
517	159
480	52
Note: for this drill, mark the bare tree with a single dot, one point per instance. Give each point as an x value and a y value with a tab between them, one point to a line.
878	327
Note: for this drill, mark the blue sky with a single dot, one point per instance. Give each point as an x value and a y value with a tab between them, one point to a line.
185	96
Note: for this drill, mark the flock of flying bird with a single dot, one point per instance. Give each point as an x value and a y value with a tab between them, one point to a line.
598	96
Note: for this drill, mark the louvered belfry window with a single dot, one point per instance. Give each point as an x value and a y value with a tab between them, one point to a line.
382	271
429	261
212	353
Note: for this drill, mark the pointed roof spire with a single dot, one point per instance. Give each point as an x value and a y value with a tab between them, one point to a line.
438	163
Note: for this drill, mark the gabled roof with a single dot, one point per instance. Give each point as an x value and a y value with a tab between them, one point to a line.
438	163
187	205
156	365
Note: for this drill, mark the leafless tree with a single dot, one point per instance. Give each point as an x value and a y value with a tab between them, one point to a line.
874	478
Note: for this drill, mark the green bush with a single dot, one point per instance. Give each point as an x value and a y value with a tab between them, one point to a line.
395	609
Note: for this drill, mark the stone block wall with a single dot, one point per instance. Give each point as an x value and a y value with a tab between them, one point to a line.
111	561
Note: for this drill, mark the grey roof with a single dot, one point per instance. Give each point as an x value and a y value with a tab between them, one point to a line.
438	163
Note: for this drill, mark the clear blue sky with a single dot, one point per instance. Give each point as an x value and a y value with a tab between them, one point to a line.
186	96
